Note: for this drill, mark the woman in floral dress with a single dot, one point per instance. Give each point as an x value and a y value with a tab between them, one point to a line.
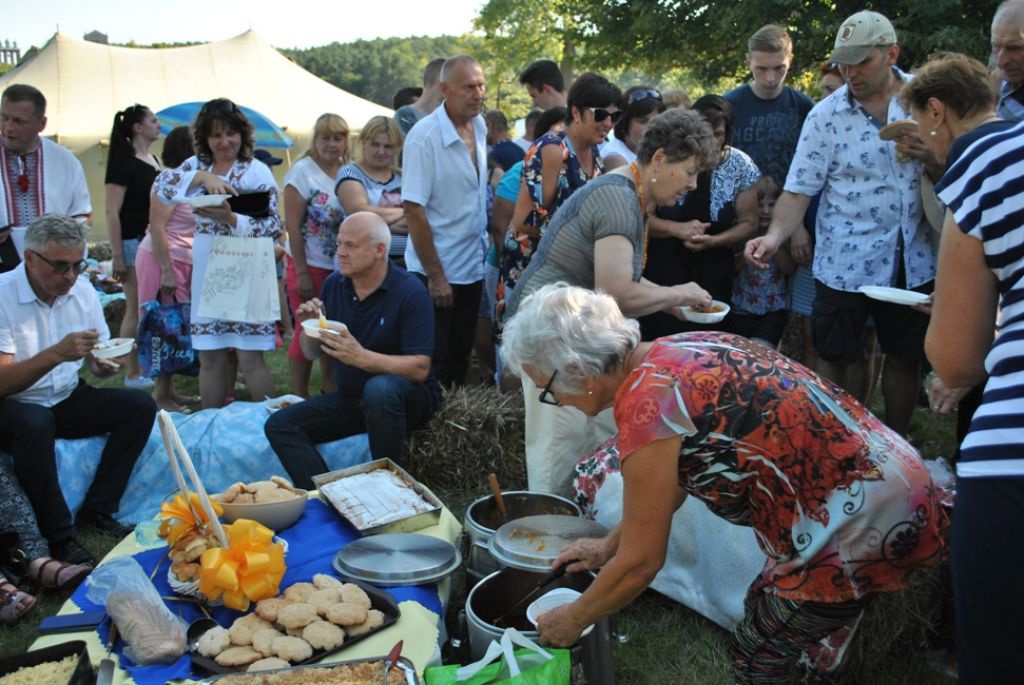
223	164
842	506
312	216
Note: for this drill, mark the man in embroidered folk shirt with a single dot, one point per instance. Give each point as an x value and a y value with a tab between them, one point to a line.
870	229
444	192
37	176
50	322
385	385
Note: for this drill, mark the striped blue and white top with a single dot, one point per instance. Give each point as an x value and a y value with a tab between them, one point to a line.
985	191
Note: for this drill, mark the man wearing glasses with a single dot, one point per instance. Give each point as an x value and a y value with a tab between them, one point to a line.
50	322
37	176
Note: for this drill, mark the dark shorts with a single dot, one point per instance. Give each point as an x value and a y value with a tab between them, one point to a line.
768	326
839	319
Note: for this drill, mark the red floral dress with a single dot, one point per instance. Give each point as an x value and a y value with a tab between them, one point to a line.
842	506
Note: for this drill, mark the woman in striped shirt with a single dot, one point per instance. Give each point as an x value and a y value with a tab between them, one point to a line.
981	262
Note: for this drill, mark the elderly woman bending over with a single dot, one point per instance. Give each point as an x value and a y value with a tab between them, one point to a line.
841	505
598	239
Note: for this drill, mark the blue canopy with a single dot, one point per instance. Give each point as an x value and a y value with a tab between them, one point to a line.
267	133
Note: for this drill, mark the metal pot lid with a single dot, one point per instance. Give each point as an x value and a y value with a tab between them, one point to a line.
532	543
398	559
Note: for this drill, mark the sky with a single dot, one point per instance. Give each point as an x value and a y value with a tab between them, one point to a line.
284	23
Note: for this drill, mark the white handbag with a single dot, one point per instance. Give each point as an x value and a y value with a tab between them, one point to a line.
240	283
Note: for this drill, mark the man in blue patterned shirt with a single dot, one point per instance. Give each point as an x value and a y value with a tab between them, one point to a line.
870	230
1008	58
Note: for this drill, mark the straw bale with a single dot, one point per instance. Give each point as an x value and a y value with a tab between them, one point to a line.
478	431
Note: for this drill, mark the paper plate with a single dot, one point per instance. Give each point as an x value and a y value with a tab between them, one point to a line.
894	295
115	347
201	201
311	327
272	404
552	600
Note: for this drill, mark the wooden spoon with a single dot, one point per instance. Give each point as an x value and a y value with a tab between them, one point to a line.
496	489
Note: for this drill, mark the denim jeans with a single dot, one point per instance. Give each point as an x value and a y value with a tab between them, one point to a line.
391	406
28	432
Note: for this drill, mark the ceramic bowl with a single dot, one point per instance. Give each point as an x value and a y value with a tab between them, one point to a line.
707	317
274	515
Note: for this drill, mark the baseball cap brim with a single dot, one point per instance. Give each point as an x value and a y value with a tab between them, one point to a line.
851	54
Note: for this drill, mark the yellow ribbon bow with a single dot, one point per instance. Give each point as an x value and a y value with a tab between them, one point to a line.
250	568
178	510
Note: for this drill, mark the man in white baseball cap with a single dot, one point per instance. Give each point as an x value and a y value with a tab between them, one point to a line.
870	230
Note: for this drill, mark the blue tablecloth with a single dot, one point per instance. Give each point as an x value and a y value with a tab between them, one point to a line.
313	542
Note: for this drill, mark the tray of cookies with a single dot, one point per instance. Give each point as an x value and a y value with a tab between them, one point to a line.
379	497
356	672
304	624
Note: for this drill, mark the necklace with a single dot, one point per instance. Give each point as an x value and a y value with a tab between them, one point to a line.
643	208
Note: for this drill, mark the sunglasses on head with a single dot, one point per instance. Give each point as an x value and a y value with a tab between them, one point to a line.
641	95
219	106
61	268
600	114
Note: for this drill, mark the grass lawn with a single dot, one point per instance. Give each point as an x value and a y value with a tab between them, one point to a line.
668	643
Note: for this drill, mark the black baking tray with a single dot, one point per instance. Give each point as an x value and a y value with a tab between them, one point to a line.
380	600
82	675
403	663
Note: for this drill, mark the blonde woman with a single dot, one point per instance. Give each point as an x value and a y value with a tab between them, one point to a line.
312	217
374	184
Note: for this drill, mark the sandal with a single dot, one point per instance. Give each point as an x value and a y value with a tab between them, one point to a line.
57	575
14	603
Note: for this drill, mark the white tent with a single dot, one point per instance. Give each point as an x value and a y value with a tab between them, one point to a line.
86	83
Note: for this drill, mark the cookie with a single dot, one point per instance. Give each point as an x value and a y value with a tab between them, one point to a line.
322	581
262	638
275	495
282	483
242	629
268	664
267	609
353	594
323	635
322	599
374	619
344	614
245	498
292	649
299	592
231	493
298	615
238	656
213	641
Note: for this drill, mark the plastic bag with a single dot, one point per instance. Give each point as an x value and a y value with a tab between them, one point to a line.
152	634
532	665
164	340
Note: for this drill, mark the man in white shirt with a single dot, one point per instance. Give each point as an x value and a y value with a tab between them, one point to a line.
50	321
444	191
37	176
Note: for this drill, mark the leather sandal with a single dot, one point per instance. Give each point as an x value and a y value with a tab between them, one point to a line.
14	603
57	575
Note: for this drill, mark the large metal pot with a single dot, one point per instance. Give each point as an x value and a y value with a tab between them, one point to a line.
483	518
492	596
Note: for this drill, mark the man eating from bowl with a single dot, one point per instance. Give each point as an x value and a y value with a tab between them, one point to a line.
50	322
385	384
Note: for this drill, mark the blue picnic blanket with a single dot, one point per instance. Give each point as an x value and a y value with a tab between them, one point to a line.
226	445
312	544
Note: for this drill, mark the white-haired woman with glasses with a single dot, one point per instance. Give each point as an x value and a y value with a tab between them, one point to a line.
842	506
639	105
598	239
223	164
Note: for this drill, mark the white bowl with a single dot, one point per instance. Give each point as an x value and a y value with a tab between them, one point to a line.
706	317
272	404
552	600
274	515
201	201
115	347
311	327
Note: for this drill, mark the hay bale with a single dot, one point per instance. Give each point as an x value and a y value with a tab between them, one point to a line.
478	431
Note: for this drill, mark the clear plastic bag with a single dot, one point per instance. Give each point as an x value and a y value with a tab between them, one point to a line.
152	634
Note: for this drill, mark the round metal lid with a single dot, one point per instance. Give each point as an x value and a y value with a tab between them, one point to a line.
398	559
533	542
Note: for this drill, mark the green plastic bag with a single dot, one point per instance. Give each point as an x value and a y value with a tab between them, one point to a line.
529	665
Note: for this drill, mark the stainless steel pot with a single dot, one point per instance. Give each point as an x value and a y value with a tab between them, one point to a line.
490	598
483	518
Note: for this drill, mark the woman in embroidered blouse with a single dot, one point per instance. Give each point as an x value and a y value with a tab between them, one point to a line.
556	166
223	164
697	238
842	506
312	215
374	184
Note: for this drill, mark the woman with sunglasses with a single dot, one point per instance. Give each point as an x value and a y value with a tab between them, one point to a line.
639	105
557	165
696	238
223	165
598	239
131	170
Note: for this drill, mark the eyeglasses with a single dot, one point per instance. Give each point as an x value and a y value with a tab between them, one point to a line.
641	95
219	106
600	114
548	397
62	268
